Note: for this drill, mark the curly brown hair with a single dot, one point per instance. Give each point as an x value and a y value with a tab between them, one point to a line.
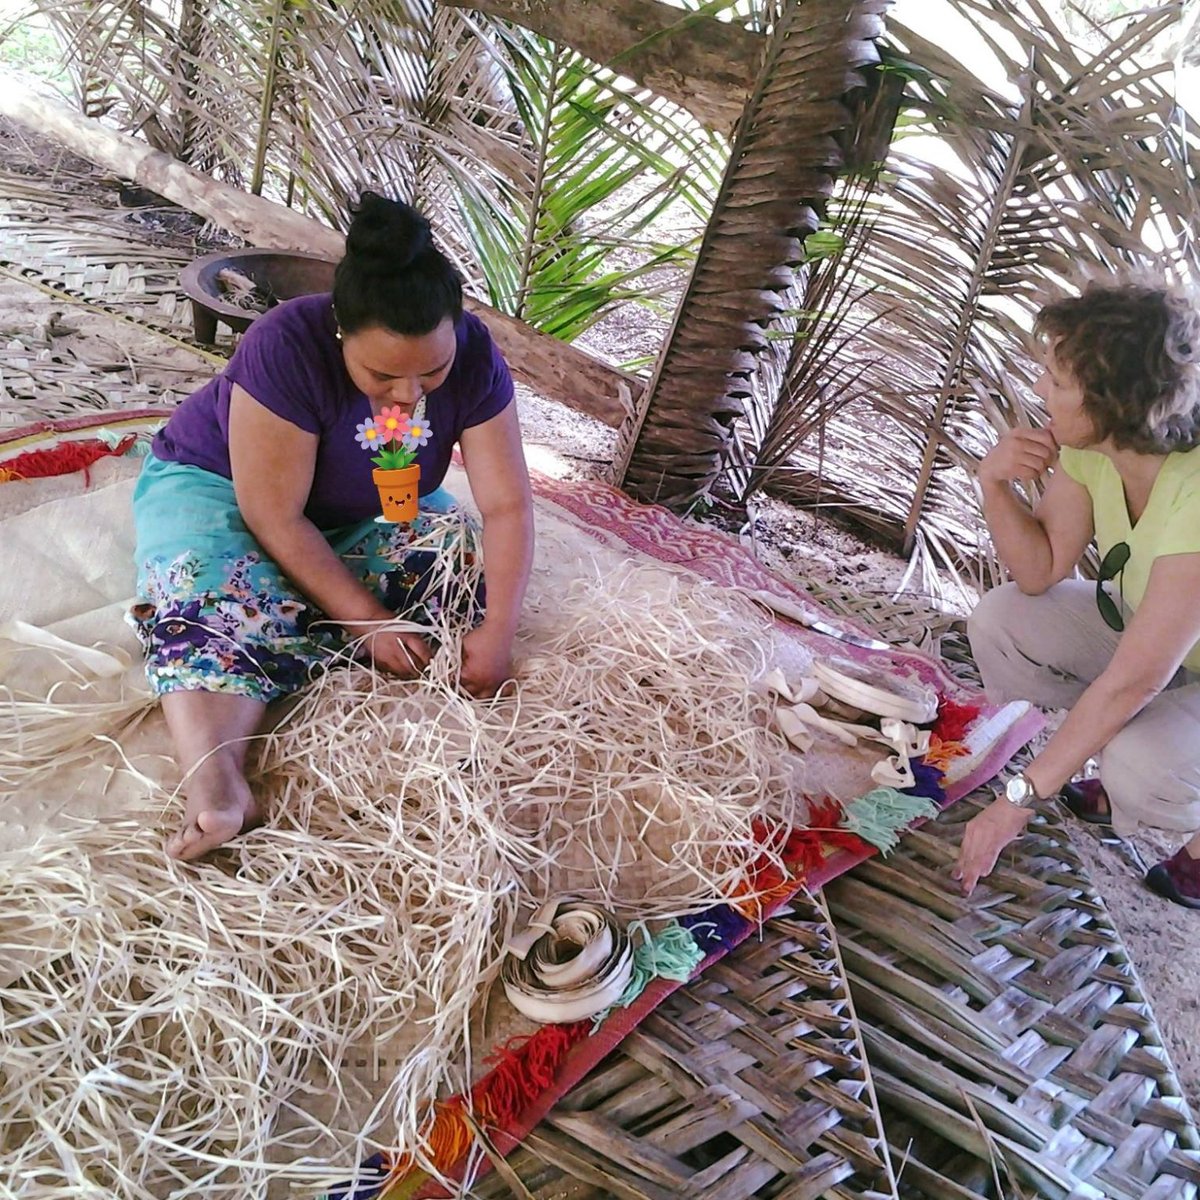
1134	349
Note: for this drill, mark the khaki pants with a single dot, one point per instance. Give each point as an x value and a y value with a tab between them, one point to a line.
1046	649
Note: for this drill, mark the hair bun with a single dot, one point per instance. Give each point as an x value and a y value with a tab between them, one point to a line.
385	235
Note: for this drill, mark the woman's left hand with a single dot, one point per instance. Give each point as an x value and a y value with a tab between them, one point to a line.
486	661
986	835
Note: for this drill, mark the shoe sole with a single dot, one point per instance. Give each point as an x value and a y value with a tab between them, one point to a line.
1161	883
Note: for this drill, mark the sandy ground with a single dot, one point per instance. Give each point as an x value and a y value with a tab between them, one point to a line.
1163	941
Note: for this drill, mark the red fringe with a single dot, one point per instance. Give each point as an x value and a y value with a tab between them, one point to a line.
522	1069
953	719
802	850
75	455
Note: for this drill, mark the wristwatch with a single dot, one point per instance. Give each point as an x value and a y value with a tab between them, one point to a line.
1019	792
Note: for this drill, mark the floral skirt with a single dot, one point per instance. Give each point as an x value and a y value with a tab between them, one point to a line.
215	613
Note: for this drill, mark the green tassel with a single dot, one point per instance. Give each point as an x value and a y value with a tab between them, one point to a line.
672	953
112	439
880	816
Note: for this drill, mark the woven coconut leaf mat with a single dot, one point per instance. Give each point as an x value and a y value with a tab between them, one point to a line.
88	259
93	257
890	1038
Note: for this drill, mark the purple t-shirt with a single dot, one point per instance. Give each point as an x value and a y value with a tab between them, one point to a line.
291	362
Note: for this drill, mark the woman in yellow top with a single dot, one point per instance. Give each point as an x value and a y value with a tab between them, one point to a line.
1122	390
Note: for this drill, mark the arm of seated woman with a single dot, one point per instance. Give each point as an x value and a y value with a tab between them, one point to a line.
1157	639
495	466
1043	546
273	462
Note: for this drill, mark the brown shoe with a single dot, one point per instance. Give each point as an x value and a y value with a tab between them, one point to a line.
1088	801
1177	878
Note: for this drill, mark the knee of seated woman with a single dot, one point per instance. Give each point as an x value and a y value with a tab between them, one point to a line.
999	610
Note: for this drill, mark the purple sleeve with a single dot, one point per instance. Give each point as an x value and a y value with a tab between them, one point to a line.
278	364
497	392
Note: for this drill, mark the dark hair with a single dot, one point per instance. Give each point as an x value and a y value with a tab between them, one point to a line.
392	274
1134	349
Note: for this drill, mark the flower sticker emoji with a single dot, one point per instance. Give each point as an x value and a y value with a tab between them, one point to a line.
393	424
418	434
367	434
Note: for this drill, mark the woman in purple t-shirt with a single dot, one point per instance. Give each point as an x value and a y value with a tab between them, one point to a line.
258	551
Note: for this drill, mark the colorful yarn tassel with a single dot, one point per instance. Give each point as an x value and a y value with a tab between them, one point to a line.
927	782
522	1069
66	457
882	815
954	720
716	928
372	1175
672	953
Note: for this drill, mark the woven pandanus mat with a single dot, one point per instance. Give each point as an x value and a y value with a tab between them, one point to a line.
750	1081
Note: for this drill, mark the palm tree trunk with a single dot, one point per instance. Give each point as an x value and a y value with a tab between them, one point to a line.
782	168
704	65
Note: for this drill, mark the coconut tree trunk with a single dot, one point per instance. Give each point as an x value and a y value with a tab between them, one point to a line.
781	170
704	65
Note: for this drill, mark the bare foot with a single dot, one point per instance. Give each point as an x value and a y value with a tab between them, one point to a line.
219	807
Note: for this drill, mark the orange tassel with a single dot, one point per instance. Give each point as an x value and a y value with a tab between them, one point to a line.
941	753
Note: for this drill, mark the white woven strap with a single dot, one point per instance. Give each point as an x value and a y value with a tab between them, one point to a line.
875	692
798	721
572	961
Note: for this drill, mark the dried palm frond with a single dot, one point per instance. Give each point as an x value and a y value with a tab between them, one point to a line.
518	149
1081	161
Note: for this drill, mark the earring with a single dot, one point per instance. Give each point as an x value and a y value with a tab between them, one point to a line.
337	333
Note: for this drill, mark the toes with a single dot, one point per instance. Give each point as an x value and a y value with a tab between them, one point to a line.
210	829
179	845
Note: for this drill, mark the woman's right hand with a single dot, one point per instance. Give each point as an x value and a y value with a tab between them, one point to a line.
405	655
1021	455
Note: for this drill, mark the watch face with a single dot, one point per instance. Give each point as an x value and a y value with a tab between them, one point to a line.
1017	790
